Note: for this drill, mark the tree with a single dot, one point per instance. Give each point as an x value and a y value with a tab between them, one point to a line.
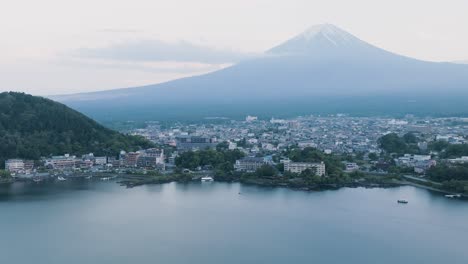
222	146
373	156
4	174
266	171
392	143
410	138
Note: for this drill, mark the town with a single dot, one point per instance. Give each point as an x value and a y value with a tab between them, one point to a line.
372	145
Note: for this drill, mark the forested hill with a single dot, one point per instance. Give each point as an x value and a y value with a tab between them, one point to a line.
31	127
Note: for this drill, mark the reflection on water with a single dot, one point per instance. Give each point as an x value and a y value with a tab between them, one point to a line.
80	221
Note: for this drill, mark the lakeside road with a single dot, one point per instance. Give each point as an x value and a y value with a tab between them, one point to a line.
423	186
421	179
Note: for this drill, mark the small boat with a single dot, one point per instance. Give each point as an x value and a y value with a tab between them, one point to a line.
403	201
37	179
60	178
452	196
207	179
88	177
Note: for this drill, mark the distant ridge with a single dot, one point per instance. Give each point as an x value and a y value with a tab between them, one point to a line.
322	70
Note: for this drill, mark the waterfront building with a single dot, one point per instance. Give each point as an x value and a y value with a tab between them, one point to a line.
299	167
131	159
100	160
62	162
151	158
410	160
14	165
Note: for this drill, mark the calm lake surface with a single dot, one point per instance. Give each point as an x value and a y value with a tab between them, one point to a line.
101	222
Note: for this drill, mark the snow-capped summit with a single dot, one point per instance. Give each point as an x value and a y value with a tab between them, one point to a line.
334	34
319	38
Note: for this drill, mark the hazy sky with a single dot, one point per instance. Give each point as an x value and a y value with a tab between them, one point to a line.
62	46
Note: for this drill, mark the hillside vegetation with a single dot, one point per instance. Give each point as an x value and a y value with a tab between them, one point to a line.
31	127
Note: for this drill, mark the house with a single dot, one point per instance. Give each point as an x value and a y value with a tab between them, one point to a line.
195	142
351	166
463	159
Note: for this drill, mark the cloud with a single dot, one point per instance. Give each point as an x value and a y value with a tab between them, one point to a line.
461	61
156	50
146	66
119	30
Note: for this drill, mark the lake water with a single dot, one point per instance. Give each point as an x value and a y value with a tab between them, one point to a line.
101	222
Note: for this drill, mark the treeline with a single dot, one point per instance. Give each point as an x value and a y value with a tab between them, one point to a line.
31	127
444	172
454	151
392	143
220	159
454	178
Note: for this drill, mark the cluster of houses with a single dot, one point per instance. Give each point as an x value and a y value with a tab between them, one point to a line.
420	163
260	139
150	159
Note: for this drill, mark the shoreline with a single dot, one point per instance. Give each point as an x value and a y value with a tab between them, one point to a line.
134	180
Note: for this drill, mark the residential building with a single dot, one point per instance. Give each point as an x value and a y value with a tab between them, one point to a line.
151	158
299	167
463	159
19	165
62	162
351	166
131	159
195	142
250	164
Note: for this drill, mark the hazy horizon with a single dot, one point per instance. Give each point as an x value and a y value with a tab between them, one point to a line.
53	47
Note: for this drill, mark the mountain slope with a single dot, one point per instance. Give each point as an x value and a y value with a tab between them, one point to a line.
324	69
31	127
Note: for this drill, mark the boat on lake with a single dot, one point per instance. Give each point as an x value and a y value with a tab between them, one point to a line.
402	201
60	178
207	179
452	196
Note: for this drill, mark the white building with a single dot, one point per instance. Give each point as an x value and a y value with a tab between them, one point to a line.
251	118
14	165
307	144
250	164
351	166
410	160
463	159
299	167
232	146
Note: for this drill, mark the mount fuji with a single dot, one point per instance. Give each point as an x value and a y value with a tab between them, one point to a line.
323	70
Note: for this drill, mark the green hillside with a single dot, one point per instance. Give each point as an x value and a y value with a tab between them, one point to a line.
31	127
